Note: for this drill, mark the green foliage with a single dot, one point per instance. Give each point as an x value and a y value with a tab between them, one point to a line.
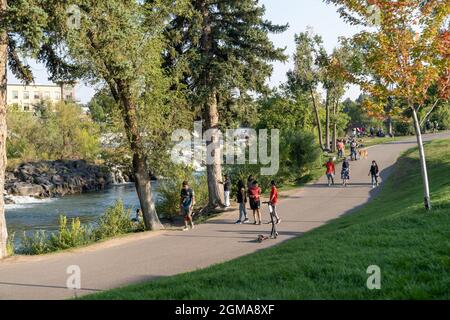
299	153
285	111
10	245
168	204
442	116
115	221
37	243
59	131
69	236
403	128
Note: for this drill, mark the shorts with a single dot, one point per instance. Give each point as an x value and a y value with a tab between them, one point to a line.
345	174
255	204
186	211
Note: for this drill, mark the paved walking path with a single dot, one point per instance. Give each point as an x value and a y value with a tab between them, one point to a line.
150	255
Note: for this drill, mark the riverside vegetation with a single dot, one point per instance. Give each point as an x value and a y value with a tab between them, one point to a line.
114	222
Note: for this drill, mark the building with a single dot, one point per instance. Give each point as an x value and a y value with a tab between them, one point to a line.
28	97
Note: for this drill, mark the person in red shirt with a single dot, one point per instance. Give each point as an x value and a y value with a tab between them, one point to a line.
254	194
330	171
274	200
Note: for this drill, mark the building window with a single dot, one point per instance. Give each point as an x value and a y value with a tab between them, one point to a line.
69	96
26	107
37	95
57	95
26	95
47	95
15	94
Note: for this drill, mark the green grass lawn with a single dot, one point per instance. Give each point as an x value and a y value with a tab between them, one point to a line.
393	231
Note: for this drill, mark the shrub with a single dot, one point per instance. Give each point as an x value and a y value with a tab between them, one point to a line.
168	204
299	154
71	236
38	243
115	221
403	128
10	244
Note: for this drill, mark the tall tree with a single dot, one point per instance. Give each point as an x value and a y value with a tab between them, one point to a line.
405	56
119	44
306	74
221	46
23	34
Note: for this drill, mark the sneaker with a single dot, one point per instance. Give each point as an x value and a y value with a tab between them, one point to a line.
246	220
185	229
278	221
238	222
259	223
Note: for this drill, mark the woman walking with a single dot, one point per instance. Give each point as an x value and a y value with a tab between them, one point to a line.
345	172
373	172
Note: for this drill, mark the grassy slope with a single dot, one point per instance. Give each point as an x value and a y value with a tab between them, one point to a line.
393	231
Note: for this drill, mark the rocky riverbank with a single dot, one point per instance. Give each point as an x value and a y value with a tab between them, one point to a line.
45	179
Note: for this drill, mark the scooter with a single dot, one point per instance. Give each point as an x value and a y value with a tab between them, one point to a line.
273	233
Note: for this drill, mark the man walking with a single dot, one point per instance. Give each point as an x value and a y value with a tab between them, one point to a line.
331	171
187	202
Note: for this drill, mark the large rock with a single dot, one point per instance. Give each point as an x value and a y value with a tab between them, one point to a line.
56	178
27	189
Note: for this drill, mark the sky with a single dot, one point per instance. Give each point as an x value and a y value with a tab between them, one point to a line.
299	14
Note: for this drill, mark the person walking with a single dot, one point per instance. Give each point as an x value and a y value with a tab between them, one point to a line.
353	146
340	146
255	201
345	172
241	198
435	127
331	171
187	202
373	172
273	200
227	190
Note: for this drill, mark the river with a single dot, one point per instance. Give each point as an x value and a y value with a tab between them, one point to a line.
35	214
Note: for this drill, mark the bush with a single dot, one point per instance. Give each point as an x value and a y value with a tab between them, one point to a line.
10	244
71	236
403	128
38	243
442	116
115	221
168	205
299	154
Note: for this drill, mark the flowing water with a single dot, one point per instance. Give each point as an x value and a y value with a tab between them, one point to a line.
29	214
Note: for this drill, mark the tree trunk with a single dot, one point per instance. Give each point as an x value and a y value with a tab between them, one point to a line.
3	132
333	146
214	170
390	128
327	122
211	114
423	164
140	169
316	112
